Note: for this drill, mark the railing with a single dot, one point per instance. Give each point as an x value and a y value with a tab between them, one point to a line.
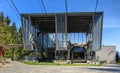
14	45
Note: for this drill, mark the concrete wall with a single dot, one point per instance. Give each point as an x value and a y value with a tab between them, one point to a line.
107	53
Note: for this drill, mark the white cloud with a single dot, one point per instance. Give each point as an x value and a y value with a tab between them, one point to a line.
111	23
111	26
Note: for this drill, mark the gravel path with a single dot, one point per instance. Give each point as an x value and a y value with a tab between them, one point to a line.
17	67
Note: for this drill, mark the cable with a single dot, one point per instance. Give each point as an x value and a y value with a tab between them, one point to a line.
96	5
66	6
15	7
43	6
40	5
12	8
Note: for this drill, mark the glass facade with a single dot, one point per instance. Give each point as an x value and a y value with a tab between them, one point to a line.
36	37
26	33
60	33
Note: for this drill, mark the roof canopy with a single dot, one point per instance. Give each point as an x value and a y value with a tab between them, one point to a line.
76	21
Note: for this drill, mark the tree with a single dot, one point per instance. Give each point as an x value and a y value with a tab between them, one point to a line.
20	50
10	35
1	18
20	36
117	57
5	36
7	20
13	30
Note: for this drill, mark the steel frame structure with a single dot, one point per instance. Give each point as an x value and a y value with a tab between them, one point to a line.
39	30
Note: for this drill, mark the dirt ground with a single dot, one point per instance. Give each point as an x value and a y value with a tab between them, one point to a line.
16	67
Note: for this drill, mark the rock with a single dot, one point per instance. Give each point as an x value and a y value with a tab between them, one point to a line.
1	65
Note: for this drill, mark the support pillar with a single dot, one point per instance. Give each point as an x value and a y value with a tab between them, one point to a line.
68	55
72	58
55	55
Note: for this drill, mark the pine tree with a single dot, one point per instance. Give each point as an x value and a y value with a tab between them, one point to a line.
7	20
5	35
117	56
1	18
20	41
13	30
20	35
10	35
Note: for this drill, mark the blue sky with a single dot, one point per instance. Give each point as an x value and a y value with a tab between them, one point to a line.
111	8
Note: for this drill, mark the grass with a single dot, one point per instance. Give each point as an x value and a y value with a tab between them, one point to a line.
36	63
80	65
54	64
118	62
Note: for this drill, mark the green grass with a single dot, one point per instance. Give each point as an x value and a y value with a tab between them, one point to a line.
118	62
36	63
54	64
80	65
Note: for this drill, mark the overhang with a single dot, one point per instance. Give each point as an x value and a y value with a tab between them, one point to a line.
76	21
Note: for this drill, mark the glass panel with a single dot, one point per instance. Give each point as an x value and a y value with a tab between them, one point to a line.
61	32
97	32
27	34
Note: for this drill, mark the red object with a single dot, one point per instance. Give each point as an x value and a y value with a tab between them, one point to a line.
0	53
